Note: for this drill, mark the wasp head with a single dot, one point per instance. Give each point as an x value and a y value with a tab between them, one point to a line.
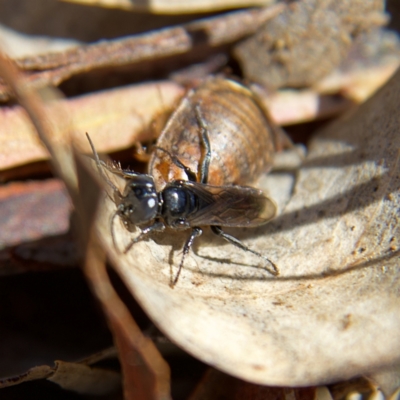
139	202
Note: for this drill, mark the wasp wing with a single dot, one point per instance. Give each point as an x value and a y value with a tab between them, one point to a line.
231	206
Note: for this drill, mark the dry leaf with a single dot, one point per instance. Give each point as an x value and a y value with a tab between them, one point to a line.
359	385
29	211
16	44
76	376
333	311
151	375
118	118
217	385
175	6
145	53
388	381
84	379
306	41
288	107
115	119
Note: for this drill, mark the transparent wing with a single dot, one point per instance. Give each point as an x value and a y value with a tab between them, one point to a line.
231	206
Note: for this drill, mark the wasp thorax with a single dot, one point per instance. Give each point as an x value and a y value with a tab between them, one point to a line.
139	202
178	203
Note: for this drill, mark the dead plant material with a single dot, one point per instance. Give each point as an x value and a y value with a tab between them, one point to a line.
152	374
306	41
54	68
175	6
335	243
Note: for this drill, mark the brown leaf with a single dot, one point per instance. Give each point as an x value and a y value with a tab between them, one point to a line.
198	38
76	376
114	118
85	379
152	376
333	311
217	385
29	211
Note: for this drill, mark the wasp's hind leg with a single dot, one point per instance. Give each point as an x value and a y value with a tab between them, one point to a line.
236	242
188	245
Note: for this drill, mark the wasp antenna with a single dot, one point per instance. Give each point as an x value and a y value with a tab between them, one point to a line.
99	164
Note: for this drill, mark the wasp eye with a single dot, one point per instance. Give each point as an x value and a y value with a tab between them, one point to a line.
138	192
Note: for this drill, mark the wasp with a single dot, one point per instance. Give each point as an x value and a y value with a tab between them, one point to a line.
191	202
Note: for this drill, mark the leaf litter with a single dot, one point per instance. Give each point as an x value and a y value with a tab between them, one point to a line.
333	311
344	178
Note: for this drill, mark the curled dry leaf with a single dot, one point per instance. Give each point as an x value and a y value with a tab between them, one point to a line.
333	311
175	6
29	211
117	118
197	39
76	376
114	118
152	376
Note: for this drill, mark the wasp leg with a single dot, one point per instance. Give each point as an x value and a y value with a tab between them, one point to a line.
158	226
231	239
189	242
205	142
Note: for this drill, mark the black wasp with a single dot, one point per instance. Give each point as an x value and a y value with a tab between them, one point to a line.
187	204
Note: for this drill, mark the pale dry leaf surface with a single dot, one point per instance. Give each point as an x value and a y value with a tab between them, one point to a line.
17	44
333	311
175	6
114	118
